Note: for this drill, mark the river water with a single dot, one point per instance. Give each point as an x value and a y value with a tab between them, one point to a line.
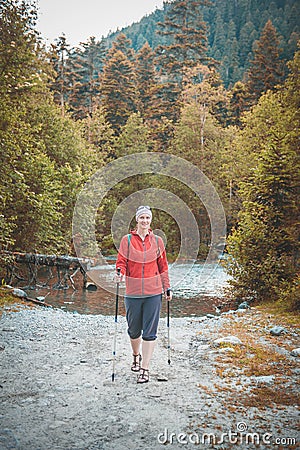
198	290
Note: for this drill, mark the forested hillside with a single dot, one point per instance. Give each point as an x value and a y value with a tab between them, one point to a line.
233	26
67	112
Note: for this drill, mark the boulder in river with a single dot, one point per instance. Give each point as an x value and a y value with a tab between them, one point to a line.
244	305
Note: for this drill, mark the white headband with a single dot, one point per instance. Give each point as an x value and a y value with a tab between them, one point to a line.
143	210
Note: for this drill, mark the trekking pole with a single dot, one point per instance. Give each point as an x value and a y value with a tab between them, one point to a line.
168	325
116	322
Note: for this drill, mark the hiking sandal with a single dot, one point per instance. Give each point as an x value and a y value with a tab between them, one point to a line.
143	376
136	365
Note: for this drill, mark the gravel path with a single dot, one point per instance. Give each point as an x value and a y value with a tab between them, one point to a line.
56	390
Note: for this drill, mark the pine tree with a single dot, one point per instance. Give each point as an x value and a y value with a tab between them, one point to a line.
239	102
187	36
93	55
145	72
146	80
290	28
122	44
219	37
230	64
76	93
186	47
247	36
118	89
60	86
266	68
84	66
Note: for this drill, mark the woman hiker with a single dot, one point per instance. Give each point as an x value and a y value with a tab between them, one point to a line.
142	260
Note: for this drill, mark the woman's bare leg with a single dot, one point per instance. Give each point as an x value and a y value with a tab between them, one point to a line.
136	345
147	352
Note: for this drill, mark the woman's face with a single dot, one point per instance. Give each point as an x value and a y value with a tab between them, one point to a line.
143	222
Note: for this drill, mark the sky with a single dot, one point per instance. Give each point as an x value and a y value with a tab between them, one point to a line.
81	19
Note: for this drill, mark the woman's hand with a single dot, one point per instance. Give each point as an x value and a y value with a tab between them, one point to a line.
118	278
168	295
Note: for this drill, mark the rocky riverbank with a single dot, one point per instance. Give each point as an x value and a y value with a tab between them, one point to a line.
56	391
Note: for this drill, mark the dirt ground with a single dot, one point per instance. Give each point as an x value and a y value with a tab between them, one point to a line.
56	390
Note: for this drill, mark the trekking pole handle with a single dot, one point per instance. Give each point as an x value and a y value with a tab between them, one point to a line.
118	275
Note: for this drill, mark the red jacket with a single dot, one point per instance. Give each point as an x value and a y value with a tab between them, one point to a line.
144	263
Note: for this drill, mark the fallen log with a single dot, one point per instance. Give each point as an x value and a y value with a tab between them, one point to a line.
49	260
38	302
64	265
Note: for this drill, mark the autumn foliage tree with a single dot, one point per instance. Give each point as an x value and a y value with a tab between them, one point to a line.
266	68
202	92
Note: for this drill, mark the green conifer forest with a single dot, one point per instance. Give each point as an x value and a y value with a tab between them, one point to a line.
214	82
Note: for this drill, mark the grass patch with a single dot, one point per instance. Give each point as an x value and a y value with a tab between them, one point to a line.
280	314
258	360
265	396
7	299
254	358
260	355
